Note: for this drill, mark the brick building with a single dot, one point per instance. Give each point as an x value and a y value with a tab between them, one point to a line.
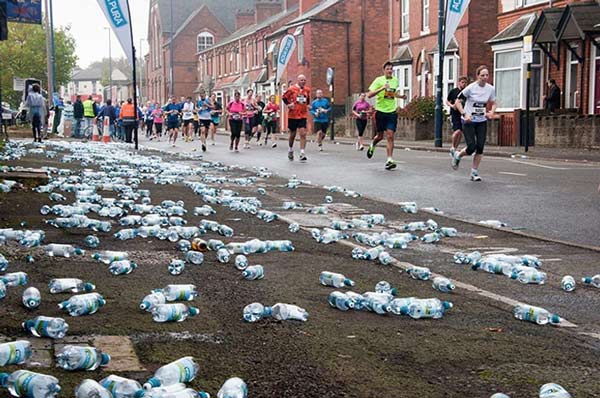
197	25
413	44
566	36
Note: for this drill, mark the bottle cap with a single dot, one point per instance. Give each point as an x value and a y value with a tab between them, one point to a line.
88	287
514	275
4	379
404	310
447	305
193	311
394	291
348	282
139	394
64	304
268	311
451	286
104	359
79	251
96	256
555	318
202	394
101	302
144	305
587	280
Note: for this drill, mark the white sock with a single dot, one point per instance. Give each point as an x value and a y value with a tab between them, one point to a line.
390	159
302	151
473	170
290	149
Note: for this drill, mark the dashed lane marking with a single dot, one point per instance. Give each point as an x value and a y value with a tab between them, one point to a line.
512	174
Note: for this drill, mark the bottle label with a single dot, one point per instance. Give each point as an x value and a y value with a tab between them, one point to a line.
186	370
23	385
14	354
41	328
89	358
176	313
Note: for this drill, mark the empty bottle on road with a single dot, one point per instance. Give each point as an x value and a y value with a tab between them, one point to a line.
108	256
385	287
340	301
27	384
121	387
593	281
14	279
176	312
60	250
91	389
72	357
182	370
428	308
421	273
69	285
442	284
182	292
152	300
122	267
530	275
31	298
83	304
333	279
43	326
254	272
283	312
553	390
567	283
233	388
533	314
241	262
15	352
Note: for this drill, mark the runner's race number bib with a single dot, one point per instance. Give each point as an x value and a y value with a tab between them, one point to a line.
389	93
301	99
236	116
479	109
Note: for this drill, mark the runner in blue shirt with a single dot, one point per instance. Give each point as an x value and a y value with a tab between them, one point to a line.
320	109
172	110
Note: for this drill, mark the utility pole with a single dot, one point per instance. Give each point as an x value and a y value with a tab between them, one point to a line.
171	49
109	65
440	78
49	48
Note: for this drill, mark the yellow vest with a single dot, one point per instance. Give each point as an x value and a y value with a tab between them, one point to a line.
88	108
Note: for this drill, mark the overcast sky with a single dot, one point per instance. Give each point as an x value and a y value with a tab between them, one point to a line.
87	25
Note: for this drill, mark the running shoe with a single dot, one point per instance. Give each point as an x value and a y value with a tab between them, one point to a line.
231	147
370	151
303	157
203	148
475	176
320	147
390	164
361	148
452	150
274	145
455	161
236	150
290	155
357	146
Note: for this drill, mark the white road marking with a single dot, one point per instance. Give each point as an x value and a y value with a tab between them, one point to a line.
541	165
512	174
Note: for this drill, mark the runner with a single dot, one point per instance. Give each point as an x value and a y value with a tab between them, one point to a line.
271	119
457	127
235	108
297	98
187	117
157	116
385	88
320	109
361	110
259	118
148	119
251	108
215	117
478	95
172	110
204	117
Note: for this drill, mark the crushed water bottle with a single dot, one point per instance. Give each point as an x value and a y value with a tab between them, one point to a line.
373	253
285	312
292	205
27	384
182	370
83	304
241	262
223	255
530	276
294	227
279	245
184	245
126	234
14	279
91	241
415	226
593	281
329	235
317	210
255	312
267	216
408	207
448	232
340	301
442	284
194	257
490	265
385	287
567	283
109	256
176	267
233	388
15	352
253	272
43	326
176	312
553	390
377	302
432	225
421	273
374	219
431	238
333	279
31	298
3	263
225	231
533	314
358	253
358	300
91	389
152	300
428	308
122	267
493	223
130	221
60	250
184	292
213	245
120	387
69	285
385	258
72	357
399	306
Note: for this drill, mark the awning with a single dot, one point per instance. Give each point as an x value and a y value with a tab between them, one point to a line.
579	21
452	47
516	30
262	77
546	27
224	82
403	55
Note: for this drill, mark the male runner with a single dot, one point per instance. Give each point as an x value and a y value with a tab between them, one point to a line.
204	117
320	109
455	116
297	98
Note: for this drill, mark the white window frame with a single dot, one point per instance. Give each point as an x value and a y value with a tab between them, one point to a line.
594	56
204	36
447	77
404	75
247	56
300	47
425	9
404	19
571	60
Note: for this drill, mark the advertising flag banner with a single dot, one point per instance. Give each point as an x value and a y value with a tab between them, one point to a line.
117	14
454	13
286	49
24	11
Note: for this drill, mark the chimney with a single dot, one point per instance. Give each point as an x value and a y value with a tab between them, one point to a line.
306	5
265	9
243	18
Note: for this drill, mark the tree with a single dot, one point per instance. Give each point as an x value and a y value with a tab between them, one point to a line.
121	64
24	55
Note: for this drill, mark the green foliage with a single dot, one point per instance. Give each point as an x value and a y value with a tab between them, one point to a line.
421	109
24	55
121	64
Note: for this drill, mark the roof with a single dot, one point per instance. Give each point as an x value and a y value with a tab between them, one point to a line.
307	16
118	76
403	55
579	20
545	30
182	9
516	30
452	47
87	74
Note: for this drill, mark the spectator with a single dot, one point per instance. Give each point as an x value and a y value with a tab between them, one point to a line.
109	112
78	116
553	98
89	113
129	116
35	103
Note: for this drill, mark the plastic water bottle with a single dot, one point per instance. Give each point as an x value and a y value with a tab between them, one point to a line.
531	261
241	262
331	235
358	253
280	245
442	284
130	221
121	387
358	300
568	283
122	267
89	388
408	207
3	263
223	255
377	302
182	370
109	256
493	223
176	312
533	314
499	395
72	357
448	232
83	304
27	384
254	272
432	225
43	326
177	390
176	267
267	216
431	238
373	253
233	388
180	292
553	390
184	245
194	257
31	298
384	258
491	266
212	244
255	312
340	301
385	287
428	308
15	352
126	234
472	258
399	306
285	312
152	300
294	227
205	211
2	289
69	285
292	205
14	279
415	226
530	275
594	281
59	250
225	231
421	273
336	280
91	241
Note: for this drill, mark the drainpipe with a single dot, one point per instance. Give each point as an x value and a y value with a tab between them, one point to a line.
349	87
391	29
362	45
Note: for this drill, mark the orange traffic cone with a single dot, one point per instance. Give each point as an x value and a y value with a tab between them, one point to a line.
106	130
95	136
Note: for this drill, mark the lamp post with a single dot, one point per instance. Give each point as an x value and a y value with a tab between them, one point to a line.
171	74
109	64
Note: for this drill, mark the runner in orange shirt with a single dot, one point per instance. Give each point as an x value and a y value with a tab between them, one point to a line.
297	99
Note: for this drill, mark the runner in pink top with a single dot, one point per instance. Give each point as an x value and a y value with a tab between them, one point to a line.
236	109
361	111
157	117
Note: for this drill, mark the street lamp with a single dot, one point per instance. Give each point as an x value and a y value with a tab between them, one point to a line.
109	64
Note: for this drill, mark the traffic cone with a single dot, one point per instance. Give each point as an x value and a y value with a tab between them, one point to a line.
95	136
106	130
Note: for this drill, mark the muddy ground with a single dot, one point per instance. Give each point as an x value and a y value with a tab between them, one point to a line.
477	349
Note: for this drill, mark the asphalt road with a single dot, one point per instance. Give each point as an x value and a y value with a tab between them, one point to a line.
553	199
